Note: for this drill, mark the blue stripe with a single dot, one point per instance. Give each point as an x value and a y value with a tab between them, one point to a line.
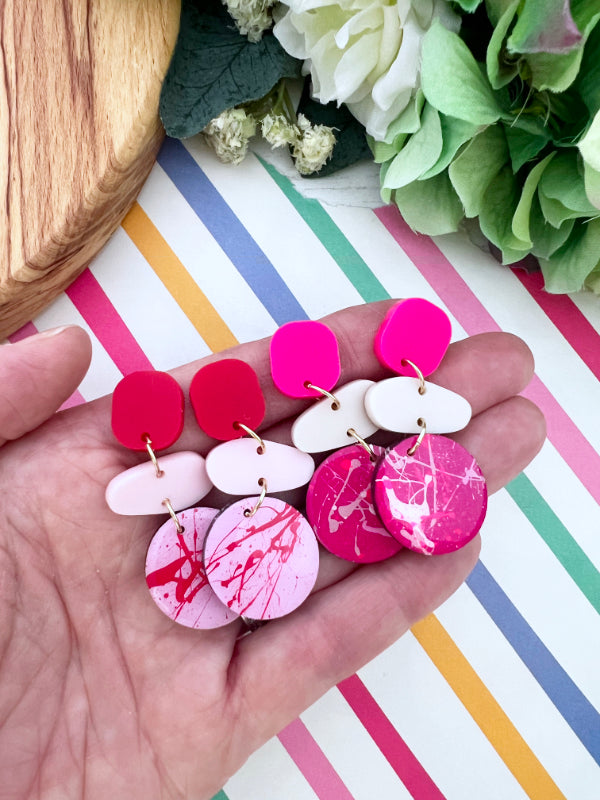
233	238
572	704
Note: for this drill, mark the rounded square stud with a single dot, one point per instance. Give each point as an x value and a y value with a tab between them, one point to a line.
304	352
226	392
147	404
413	330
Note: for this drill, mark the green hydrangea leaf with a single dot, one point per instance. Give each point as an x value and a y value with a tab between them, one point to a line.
452	80
381	151
588	81
520	221
495	218
409	121
431	207
455	132
498	70
544	26
546	239
496	8
563	182
592	185
556	72
592	282
214	67
386	194
568	268
524	146
420	152
476	166
589	146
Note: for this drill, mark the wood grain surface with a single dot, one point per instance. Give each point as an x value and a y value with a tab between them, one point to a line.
79	130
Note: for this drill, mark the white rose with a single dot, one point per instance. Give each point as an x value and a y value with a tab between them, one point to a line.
364	53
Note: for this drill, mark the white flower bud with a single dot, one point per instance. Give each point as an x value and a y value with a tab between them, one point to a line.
278	131
252	17
314	147
229	134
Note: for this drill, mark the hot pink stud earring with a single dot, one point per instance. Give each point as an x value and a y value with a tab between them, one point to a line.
305	362
147	415
260	555
428	490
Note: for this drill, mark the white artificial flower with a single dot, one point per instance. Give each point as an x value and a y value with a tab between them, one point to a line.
313	147
229	134
364	53
252	17
278	131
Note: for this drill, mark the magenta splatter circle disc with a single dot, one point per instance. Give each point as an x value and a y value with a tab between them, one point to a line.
261	566
433	501
339	506
175	572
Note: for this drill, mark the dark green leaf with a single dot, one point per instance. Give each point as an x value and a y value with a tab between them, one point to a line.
214	67
477	165
588	80
563	181
571	264
523	146
498	208
546	239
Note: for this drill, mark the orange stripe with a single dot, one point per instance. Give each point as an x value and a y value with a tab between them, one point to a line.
178	281
489	716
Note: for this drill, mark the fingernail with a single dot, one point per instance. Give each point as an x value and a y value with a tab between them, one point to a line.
53	332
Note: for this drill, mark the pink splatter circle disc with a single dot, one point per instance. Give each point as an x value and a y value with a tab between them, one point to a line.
433	501
339	506
175	572
261	566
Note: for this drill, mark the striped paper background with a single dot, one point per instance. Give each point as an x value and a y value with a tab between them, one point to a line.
497	695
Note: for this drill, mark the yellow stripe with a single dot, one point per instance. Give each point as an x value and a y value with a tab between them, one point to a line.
479	702
180	284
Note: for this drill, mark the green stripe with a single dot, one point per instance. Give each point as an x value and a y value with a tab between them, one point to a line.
557	537
339	248
220	796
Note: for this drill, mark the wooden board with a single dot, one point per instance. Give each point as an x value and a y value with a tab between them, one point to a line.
79	130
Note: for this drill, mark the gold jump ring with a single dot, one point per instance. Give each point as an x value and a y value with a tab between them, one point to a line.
262	482
423	426
335	403
422	386
154	459
364	444
254	434
171	511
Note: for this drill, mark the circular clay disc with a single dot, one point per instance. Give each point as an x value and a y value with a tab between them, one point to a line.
261	566
433	501
339	506
175	572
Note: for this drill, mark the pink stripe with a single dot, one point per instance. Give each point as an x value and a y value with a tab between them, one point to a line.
562	311
401	758
464	305
94	306
25	332
312	762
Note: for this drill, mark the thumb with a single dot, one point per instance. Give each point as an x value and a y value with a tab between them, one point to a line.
37	375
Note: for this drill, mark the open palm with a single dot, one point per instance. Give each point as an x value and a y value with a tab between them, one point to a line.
103	696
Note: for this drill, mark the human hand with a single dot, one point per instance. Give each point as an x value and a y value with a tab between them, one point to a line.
103	696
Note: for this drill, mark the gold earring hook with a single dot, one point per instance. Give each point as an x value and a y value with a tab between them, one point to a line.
261	445
422	385
171	511
262	482
153	458
335	403
364	444
423	426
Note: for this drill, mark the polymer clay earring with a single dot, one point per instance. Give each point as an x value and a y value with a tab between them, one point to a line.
305	363
428	490
260	555
147	415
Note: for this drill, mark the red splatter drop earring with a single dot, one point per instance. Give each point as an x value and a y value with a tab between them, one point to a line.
147	415
260	555
305	362
428	490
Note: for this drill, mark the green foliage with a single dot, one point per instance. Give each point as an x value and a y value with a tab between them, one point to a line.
509	134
